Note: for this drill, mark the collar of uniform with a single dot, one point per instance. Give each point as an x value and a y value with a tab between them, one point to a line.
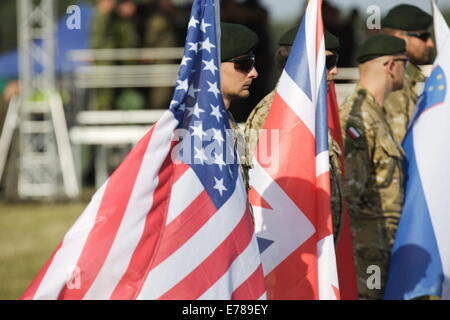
369	98
243	155
238	136
414	74
233	122
261	110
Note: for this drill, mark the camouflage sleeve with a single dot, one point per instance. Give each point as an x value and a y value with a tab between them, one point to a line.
357	166
358	138
336	186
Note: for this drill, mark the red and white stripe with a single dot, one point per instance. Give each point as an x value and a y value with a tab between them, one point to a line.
296	215
151	232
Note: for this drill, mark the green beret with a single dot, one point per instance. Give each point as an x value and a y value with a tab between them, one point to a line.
287	39
408	18
331	41
380	45
236	40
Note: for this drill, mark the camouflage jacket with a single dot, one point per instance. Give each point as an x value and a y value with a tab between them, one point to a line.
255	122
244	160
400	104
374	184
240	143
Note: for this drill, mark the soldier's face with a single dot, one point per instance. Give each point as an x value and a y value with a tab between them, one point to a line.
397	66
418	46
236	78
127	9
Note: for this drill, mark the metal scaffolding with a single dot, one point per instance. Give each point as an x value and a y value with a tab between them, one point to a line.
45	166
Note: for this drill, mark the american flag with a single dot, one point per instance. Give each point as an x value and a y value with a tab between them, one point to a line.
173	221
291	188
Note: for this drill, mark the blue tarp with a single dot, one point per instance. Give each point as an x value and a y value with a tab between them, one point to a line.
66	40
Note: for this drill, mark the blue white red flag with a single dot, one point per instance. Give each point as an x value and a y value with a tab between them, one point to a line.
420	261
344	248
291	187
173	221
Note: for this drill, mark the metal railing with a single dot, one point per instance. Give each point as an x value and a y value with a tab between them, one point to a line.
106	129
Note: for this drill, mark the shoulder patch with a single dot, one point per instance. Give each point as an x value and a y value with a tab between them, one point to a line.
353	133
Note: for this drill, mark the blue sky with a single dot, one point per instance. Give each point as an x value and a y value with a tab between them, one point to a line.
290	9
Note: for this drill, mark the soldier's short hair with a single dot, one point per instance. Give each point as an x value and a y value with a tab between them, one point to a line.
281	57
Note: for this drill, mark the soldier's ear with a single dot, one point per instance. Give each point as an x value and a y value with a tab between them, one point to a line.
402	35
390	67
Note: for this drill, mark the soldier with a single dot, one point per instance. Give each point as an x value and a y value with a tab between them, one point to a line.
125	33
237	72
256	120
159	32
124	26
102	37
410	24
373	159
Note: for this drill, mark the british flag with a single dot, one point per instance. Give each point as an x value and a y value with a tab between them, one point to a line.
291	188
172	222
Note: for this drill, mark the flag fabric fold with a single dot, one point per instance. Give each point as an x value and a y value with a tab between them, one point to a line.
294	227
172	221
344	249
420	261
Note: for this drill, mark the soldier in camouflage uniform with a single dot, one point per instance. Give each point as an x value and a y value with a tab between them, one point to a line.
102	37
410	24
257	117
125	31
373	159
237	72
114	26
159	32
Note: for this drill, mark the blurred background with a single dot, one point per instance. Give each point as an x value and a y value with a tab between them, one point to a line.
79	85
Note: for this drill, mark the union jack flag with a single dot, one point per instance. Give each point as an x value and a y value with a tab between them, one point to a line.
172	222
291	188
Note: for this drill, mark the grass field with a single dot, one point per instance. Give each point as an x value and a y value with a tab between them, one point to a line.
29	233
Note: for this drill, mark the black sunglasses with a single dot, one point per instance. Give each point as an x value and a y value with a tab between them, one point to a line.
331	61
244	63
424	36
